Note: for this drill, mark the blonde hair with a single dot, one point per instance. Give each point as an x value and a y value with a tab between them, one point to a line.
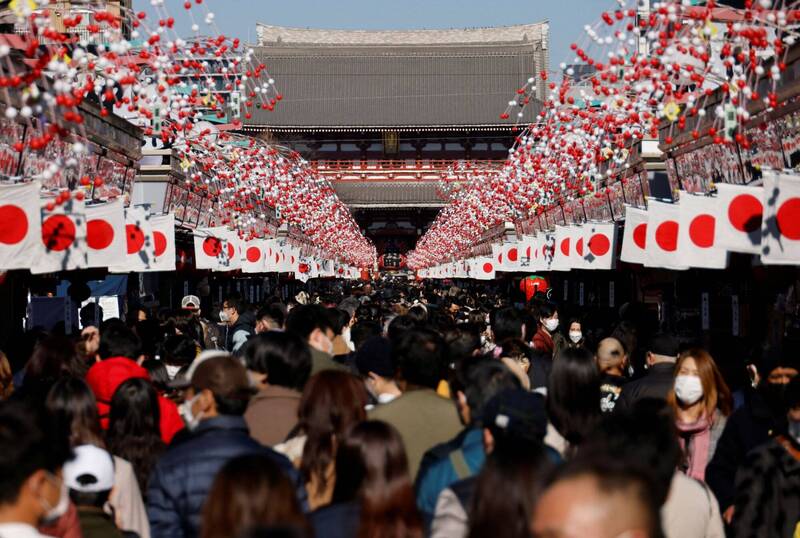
6	377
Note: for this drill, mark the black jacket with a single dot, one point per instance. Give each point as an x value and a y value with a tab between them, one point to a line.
182	478
247	323
656	384
768	491
748	427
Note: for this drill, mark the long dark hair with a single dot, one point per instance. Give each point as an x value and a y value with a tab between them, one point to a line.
332	402
133	427
573	394
251	491
52	358
73	408
372	468
506	491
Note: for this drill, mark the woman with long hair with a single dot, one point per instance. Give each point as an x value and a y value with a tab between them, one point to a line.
73	407
573	398
248	492
53	358
374	495
133	427
332	402
701	402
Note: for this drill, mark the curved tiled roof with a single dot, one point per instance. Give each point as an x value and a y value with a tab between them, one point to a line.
268	35
384	79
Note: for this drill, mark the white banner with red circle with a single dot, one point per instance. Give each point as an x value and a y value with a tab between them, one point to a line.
781	226
105	233
63	241
20	225
698	244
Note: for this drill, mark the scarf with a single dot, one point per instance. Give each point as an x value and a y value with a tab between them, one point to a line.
695	439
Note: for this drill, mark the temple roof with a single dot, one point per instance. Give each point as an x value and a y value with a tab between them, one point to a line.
388	194
350	79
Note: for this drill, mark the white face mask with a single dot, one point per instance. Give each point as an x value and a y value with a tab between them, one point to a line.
188	416
172	370
551	324
575	336
223	316
54	513
688	389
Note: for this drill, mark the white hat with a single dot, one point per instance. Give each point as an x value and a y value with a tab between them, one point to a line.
91	471
190	302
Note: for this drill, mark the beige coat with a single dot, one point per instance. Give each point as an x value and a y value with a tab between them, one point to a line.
272	414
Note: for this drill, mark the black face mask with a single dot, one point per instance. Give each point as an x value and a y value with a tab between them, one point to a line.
774	395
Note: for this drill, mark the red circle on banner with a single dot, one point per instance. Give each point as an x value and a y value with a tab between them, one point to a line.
488	267
528	252
58	232
513	255
640	235
13	224
277	258
160	241
565	247
745	213
253	254
99	234
599	245
230	251
667	235
579	246
701	231
212	246
135	237
303	268
788	218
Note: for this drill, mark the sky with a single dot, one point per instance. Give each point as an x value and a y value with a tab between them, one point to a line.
238	18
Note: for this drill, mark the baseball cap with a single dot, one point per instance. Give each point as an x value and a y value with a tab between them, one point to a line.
90	471
190	302
375	355
664	344
516	414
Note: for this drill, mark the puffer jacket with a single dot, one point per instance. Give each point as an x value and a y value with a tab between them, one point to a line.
106	376
182	478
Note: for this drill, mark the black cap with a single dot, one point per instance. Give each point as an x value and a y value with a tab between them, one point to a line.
516	414
664	344
376	356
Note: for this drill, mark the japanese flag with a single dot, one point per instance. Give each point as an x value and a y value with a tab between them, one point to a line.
663	228
536	258
142	246
163	227
272	255
781	230
20	225
563	249
512	256
739	214
601	245
579	248
105	233
209	248
634	238
63	238
697	233
254	259
483	268
233	250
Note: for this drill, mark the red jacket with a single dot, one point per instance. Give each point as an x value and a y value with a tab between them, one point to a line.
542	341
105	376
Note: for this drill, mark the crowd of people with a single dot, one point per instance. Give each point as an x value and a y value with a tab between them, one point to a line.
397	412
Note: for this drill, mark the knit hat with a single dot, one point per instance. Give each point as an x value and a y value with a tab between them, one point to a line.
91	471
516	414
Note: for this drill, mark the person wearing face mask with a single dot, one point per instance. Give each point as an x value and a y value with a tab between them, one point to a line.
543	340
752	424
217	392
767	501
240	323
701	402
32	456
571	338
312	323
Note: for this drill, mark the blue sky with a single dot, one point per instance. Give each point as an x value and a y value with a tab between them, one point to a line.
238	17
